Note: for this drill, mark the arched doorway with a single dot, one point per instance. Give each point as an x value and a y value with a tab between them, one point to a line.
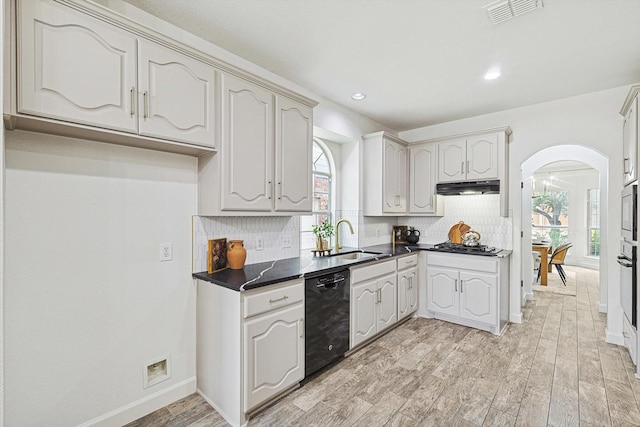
549	155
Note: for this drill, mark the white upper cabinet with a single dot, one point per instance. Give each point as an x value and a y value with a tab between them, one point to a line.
76	68
247	146
475	156
82	70
423	173
631	137
177	95
472	158
293	156
264	164
385	175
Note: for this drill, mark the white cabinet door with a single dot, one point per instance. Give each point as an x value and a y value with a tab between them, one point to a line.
177	95
75	68
478	297
422	178
413	290
482	157
452	161
274	354
363	311
630	141
407	292
294	146
247	146
442	291
390	196
387	310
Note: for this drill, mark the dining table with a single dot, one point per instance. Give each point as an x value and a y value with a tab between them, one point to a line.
545	267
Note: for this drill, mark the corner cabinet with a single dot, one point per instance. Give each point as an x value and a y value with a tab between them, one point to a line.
264	165
374	300
423	174
631	136
238	336
476	295
76	69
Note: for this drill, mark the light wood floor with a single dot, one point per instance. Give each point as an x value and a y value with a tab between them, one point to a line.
554	369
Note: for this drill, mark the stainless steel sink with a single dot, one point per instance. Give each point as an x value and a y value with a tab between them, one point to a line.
359	255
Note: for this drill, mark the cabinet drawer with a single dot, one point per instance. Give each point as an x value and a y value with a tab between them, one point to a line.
407	261
362	273
262	300
466	262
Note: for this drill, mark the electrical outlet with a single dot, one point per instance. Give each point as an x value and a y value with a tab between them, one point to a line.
259	244
166	251
286	241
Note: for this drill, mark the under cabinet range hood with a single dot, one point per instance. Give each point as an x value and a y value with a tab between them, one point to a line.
468	187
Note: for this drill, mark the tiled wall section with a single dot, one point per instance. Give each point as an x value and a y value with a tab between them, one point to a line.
481	212
272	230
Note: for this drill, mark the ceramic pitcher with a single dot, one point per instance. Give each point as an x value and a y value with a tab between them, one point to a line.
236	254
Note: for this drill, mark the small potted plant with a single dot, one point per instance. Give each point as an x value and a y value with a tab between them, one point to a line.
323	231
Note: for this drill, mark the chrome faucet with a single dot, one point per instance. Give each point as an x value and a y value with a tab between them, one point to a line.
338	246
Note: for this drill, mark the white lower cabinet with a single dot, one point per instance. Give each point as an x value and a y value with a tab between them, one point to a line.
476	295
407	286
374	300
250	345
630	339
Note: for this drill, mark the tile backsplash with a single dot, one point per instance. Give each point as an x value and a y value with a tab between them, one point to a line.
481	212
272	230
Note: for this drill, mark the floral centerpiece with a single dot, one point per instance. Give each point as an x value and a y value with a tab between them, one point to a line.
323	231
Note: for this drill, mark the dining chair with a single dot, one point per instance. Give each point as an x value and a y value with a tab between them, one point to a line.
557	258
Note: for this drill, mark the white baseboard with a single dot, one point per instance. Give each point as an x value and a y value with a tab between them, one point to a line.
527	296
614	338
515	318
144	406
602	308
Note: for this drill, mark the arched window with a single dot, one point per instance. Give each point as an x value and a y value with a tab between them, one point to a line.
322	164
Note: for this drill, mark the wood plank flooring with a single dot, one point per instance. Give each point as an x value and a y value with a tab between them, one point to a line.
554	369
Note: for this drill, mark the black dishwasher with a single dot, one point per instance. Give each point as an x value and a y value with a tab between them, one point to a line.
326	319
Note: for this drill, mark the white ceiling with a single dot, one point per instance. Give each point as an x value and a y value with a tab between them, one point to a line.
422	62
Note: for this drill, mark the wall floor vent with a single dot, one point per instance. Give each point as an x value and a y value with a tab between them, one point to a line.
503	10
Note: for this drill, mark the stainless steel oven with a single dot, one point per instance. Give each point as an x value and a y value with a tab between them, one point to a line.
630	213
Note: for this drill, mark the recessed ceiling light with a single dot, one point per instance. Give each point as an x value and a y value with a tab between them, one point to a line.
358	96
492	74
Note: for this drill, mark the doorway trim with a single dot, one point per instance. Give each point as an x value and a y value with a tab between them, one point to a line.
543	157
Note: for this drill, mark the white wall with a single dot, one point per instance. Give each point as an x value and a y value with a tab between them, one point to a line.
86	301
591	120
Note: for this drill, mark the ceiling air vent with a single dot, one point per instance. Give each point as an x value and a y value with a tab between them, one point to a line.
503	10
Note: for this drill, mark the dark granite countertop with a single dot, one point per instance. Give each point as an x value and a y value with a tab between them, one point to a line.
268	273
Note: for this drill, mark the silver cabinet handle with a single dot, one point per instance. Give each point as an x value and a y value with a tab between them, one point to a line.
145	103
284	298
624	165
301	328
462	167
467	166
133	101
270	190
379	296
461	282
455	284
280	191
